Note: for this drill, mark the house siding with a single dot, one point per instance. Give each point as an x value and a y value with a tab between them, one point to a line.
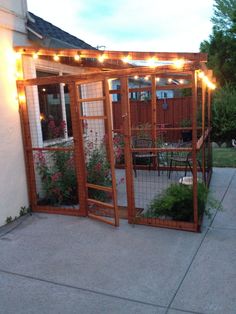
13	187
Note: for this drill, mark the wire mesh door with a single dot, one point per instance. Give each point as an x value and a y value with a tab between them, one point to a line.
94	110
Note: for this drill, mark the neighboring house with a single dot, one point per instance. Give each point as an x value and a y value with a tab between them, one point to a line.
145	95
19	27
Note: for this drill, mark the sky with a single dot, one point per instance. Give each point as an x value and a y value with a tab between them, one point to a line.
132	25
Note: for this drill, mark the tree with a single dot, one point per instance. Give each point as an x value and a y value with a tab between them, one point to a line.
224	18
221	46
224	115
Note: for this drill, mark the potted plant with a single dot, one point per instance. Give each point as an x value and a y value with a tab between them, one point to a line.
186	134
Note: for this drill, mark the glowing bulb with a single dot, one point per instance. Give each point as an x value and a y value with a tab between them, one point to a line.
169	80
211	85
205	79
126	59
101	58
152	62
22	98
146	77
136	77
41	117
77	57
181	81
179	63
201	75
44	89
56	58
19	75
18	55
157	79
35	56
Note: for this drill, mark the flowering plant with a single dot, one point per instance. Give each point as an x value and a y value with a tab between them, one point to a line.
57	172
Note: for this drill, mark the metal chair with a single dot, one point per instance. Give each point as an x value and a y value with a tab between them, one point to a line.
143	143
185	159
182	158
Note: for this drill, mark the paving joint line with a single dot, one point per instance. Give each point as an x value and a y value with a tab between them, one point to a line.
200	244
81	289
186	311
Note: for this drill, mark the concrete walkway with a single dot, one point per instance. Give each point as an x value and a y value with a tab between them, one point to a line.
59	264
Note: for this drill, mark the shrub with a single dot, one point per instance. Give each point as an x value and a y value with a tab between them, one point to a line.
224	115
176	202
58	177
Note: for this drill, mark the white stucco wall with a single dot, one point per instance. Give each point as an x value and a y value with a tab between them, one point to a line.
13	187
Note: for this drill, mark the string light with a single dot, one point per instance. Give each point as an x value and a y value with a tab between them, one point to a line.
169	80
101	58
181	81
201	75
22	98
157	79
152	62
126	59
146	77
35	56
77	57
179	63
44	89
56	58
136	77
18	55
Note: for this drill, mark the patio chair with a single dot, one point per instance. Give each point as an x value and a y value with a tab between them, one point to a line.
185	159
147	156
180	158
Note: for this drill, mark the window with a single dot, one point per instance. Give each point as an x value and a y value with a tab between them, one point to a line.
54	103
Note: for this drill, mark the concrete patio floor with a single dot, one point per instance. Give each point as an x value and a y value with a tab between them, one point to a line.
60	264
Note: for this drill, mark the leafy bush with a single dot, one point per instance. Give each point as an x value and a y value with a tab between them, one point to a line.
176	202
224	115
98	172
58	177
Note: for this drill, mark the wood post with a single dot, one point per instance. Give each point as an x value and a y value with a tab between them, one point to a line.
127	148
203	131
111	150
194	148
79	155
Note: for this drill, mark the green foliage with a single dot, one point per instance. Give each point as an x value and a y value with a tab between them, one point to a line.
98	172
224	115
9	219
24	210
57	172
225	15
224	157
186	123
176	202
144	130
221	46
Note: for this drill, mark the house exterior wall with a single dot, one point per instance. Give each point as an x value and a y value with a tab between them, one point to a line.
13	187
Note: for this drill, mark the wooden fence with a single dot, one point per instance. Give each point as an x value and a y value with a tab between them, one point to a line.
178	109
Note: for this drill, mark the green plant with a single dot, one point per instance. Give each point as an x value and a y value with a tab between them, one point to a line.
98	172
144	130
9	219
224	115
58	177
24	210
176	202
185	123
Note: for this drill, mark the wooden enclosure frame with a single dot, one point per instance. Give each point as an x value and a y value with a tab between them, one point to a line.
193	65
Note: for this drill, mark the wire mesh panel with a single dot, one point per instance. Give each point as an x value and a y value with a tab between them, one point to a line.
95	117
53	174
